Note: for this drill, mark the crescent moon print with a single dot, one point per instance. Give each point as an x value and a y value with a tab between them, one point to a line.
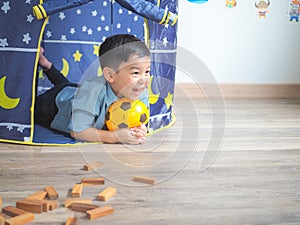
65	69
153	98
5	101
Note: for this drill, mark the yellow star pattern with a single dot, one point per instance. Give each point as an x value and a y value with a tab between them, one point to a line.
169	100
153	98
41	75
96	50
77	56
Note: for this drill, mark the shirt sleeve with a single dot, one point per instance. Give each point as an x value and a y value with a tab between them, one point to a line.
86	106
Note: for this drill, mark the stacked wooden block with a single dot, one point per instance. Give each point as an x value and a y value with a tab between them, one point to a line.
39	202
44	201
85	205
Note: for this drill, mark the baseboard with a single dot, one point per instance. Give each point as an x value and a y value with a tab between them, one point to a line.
238	90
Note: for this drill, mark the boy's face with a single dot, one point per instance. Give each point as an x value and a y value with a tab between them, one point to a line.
132	78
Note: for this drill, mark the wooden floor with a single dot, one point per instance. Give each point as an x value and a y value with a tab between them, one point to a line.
254	178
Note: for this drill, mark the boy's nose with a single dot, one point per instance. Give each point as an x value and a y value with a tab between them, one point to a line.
143	80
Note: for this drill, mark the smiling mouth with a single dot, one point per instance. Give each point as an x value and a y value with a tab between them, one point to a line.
137	91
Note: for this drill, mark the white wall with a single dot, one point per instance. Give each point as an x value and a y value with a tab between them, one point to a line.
237	46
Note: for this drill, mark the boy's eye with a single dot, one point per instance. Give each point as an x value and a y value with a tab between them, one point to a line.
136	73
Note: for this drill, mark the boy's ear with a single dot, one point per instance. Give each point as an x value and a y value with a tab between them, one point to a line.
108	73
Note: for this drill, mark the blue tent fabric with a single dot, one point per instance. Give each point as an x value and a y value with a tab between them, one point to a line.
145	8
71	38
19	35
45	135
163	46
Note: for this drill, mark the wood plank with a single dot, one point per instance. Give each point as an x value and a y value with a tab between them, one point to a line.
76	191
21	219
37	195
72	221
30	206
47	204
2	220
144	179
92	166
93	181
69	201
107	194
82	207
51	192
99	212
13	211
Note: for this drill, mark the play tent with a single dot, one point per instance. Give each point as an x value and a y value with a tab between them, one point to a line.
70	32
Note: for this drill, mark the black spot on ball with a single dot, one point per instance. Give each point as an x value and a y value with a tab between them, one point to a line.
122	125
143	118
107	115
125	106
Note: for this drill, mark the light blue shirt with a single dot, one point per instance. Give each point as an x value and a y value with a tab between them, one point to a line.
84	107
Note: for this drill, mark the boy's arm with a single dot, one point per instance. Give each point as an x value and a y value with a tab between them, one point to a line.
126	136
94	135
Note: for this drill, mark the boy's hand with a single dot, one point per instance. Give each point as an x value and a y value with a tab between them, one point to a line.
134	136
140	131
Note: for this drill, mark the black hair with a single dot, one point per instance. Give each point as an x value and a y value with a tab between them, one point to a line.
118	48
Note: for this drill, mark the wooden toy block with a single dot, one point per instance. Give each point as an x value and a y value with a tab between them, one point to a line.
0	201
82	207
69	201
21	219
76	191
47	204
145	180
107	194
2	220
51	193
30	206
92	181
72	221
51	205
99	212
37	195
91	166
13	211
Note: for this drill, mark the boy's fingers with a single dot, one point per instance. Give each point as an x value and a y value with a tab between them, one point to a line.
137	134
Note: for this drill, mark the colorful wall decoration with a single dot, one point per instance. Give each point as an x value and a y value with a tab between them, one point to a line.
231	4
294	11
262	8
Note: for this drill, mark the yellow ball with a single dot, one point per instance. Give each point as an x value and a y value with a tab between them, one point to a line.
126	113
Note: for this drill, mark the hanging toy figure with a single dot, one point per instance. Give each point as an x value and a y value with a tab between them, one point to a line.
262	7
295	10
230	4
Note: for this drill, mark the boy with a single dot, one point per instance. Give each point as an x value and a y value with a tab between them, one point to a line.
125	63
